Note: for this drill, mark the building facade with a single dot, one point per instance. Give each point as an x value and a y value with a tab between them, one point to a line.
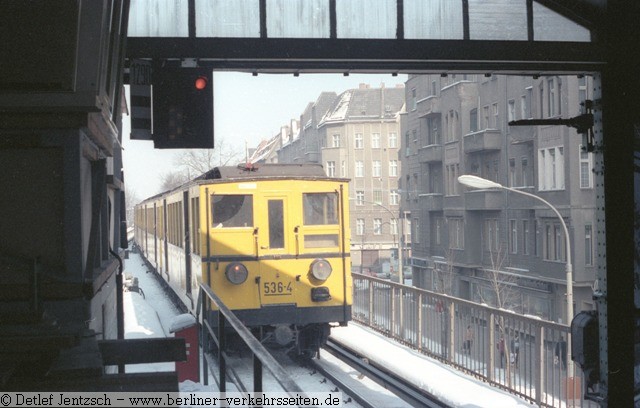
495	246
356	135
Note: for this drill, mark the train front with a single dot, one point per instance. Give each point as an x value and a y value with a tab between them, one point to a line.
278	256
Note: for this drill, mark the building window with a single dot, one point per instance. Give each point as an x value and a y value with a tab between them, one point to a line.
485	117
377	226
360	226
343	169
407	144
586	175
394	226
359	197
588	245
434	88
525	172
541	100
582	89
414	99
438	231
494	113
473	120
452	172
394	197
359	168
433	136
551	97
415	228
331	168
511	112
359	143
377	168
512	173
551	169
536	230
393	168
456	233
375	140
336	140
393	139
451	126
525	237
553	242
377	196
491	234
513	236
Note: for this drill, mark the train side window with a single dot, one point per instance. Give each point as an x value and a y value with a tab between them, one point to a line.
229	211
320	208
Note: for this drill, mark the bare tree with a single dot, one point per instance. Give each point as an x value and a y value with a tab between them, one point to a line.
501	294
131	199
445	275
173	179
198	161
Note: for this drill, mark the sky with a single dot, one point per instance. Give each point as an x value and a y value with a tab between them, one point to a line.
247	109
152	316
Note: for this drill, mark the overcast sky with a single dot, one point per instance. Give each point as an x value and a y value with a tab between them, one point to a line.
247	109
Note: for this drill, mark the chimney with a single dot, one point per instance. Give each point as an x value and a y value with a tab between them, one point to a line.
363	86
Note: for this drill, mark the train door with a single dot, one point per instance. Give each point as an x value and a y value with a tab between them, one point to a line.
155	235
187	243
276	282
166	238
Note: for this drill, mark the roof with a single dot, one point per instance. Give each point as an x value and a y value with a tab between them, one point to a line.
264	170
365	104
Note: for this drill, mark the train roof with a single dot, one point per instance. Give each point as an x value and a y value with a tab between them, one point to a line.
307	171
258	171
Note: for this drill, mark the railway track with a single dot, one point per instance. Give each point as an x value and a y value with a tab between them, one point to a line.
405	390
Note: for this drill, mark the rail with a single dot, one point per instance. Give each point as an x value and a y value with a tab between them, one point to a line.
410	393
207	300
522	354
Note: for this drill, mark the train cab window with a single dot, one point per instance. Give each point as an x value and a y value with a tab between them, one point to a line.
232	211
276	224
320	208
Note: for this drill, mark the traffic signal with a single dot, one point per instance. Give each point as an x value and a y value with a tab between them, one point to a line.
182	100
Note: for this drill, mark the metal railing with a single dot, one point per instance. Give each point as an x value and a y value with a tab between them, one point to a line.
521	354
211	309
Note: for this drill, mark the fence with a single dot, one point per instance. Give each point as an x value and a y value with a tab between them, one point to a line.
524	355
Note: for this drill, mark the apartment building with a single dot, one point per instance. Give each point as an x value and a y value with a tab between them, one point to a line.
495	246
356	135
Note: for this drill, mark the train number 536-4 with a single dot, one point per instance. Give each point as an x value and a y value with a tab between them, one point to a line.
277	288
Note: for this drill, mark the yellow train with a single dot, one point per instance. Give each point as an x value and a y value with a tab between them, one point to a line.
272	241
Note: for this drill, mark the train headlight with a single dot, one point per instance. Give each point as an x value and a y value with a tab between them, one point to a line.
236	273
321	269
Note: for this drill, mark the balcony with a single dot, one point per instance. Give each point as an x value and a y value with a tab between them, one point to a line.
484	200
430	154
487	139
431	201
429	105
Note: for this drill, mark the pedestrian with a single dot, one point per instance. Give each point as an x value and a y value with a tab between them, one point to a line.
515	350
500	347
468	340
561	353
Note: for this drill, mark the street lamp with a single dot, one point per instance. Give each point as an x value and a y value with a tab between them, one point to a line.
393	216
478	182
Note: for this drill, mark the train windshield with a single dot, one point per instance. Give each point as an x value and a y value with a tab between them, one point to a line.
320	208
232	211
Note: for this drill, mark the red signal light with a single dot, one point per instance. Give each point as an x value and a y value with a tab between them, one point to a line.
201	83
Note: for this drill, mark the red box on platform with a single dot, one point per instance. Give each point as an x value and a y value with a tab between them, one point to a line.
185	326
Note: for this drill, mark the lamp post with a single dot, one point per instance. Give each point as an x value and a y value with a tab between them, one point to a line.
393	216
478	182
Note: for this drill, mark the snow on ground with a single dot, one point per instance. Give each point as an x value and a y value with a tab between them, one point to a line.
152	315
447	384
